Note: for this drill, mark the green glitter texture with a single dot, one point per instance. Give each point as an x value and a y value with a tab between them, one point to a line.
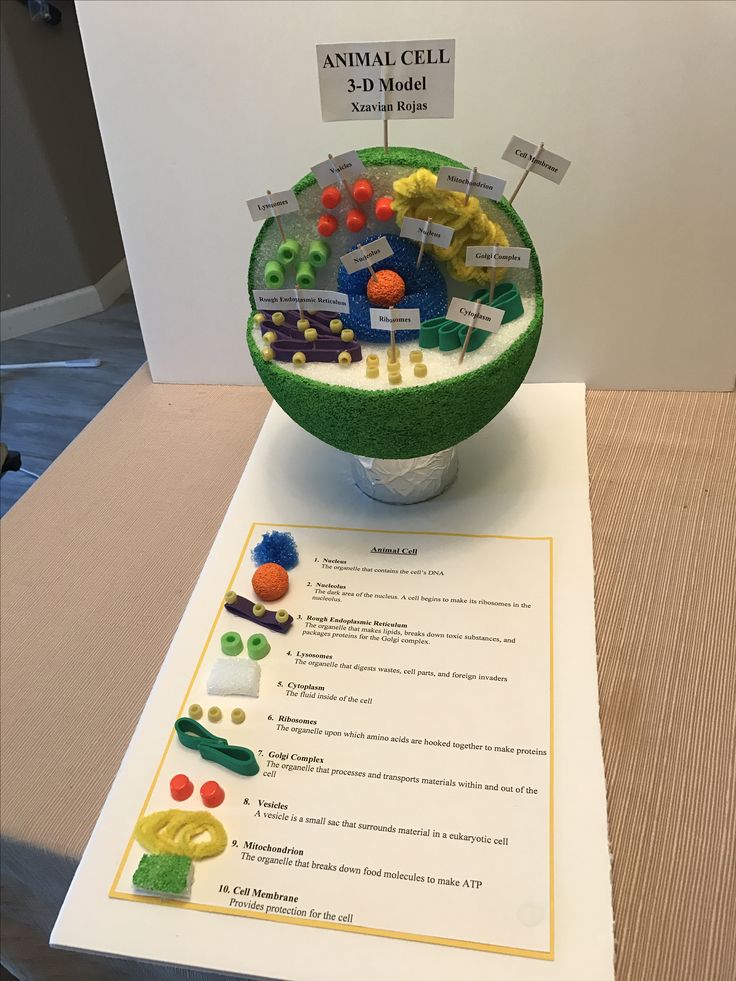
403	423
167	874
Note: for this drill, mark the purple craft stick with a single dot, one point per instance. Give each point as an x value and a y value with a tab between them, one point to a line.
243	607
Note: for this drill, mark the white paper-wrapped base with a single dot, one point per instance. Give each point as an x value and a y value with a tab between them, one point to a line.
405	481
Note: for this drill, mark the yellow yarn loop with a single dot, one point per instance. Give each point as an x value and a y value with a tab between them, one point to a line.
174	832
417	196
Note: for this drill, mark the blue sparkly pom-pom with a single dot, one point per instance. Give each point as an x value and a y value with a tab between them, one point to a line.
276	546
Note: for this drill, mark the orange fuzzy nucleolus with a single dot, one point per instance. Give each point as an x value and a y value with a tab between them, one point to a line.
386	288
270	582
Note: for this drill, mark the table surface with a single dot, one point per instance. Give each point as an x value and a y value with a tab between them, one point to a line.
101	555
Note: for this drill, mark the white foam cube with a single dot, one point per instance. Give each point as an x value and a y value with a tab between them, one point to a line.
234	676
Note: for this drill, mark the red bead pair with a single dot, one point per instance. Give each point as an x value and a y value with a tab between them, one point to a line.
362	192
182	788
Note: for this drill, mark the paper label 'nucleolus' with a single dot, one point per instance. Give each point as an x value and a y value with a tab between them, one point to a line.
366	255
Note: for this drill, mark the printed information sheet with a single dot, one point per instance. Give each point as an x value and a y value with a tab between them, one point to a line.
404	734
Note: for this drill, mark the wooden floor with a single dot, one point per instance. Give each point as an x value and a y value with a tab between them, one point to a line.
44	409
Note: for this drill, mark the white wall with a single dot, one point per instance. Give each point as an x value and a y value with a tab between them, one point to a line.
203	104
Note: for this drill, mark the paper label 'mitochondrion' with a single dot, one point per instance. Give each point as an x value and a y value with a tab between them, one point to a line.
481	185
389	79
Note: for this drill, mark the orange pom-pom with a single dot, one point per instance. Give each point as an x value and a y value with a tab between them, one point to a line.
270	582
386	288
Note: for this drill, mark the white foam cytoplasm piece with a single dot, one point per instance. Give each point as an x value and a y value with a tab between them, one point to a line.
234	676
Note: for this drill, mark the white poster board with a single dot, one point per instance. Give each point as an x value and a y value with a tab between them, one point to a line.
532	521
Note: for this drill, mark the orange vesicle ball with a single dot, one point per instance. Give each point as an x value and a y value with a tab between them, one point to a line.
270	582
386	288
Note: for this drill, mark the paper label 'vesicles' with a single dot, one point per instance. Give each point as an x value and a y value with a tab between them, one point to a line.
345	167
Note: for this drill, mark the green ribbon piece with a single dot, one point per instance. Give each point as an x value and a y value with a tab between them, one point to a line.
449	335
193	735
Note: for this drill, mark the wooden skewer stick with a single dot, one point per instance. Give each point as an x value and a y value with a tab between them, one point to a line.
470	185
427	223
275	216
385	117
527	169
393	335
370	265
469	331
299	303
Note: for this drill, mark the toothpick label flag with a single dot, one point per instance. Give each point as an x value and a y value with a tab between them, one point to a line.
434	234
346	166
497	255
308	299
367	255
481	185
387	80
546	163
278	203
477	315
398	319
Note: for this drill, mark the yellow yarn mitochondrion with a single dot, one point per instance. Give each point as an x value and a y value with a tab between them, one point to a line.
176	832
417	196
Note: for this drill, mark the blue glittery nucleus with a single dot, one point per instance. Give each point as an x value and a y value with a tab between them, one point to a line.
426	289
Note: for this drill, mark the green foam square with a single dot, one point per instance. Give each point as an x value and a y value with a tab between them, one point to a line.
165	874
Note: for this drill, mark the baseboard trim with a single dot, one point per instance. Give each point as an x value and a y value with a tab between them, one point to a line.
66	306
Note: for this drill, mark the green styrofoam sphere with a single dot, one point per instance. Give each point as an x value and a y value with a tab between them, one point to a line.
401	423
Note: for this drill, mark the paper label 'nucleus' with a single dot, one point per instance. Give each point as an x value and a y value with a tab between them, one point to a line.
431	234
